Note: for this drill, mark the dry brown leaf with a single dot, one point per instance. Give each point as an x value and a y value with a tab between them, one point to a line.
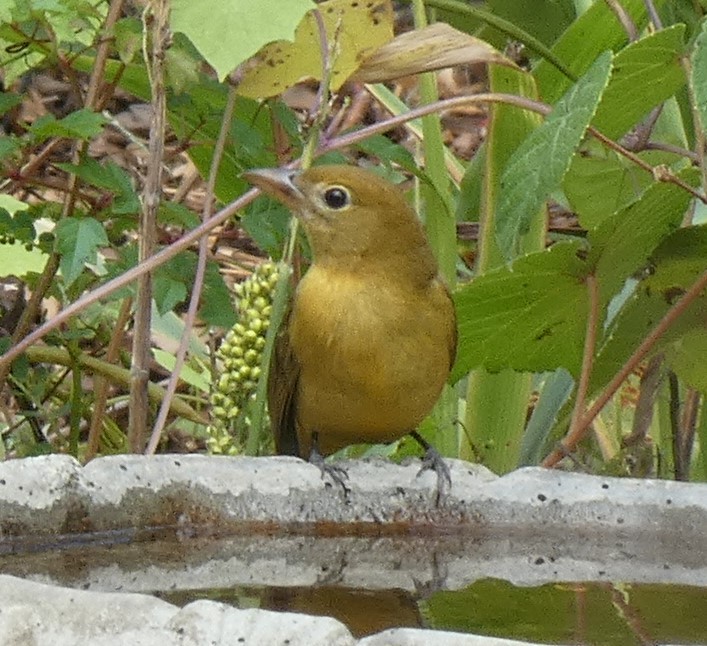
425	50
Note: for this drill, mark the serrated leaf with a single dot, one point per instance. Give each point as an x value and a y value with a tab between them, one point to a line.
675	266
228	33
357	28
78	241
698	76
80	124
109	176
622	244
645	73
216	308
168	292
530	317
621	182
595	31
539	164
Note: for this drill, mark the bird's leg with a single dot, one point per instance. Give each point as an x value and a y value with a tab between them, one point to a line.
432	460
337	474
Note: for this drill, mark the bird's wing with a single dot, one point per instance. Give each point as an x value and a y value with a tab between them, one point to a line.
282	392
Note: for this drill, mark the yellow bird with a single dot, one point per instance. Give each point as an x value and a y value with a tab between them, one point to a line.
370	336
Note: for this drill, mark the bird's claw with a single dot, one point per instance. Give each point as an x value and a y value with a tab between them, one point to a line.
433	461
338	475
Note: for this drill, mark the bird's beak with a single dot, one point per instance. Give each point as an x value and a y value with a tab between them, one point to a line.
279	183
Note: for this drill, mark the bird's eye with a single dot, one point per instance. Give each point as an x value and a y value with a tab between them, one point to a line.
337	197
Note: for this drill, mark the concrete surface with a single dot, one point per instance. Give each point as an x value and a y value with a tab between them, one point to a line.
171	522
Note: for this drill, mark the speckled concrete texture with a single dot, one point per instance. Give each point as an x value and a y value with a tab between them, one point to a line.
173	522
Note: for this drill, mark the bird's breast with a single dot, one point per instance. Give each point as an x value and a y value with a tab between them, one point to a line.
373	355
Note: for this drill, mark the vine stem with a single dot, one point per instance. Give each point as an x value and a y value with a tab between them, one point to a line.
570	442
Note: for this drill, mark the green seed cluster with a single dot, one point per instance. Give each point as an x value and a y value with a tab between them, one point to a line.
240	356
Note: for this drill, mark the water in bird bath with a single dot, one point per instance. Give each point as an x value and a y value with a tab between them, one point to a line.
548	588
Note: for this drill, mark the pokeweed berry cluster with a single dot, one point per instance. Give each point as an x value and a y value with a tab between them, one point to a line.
240	357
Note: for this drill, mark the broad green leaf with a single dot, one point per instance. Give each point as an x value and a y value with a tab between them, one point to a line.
78	241
544	19
529	317
497	404
228	33
109	176
622	244
699	73
595	31
11	205
19	261
539	164
168	291
594	166
687	356
81	124
675	266
216	308
354	28
196	118
644	74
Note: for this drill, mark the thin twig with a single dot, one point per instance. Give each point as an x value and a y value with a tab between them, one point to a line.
199	276
634	360
156	17
624	18
576	433
100	390
653	14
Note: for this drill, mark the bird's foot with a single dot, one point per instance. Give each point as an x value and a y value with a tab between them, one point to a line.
433	461
336	474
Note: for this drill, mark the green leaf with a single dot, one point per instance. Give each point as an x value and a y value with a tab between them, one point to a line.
178	214
216	307
594	165
622	244
687	358
168	291
9	145
78	240
196	119
109	176
539	164
698	76
594	32
82	124
675	265
497	404
645	74
8	101
228	33
199	379
529	317
544	19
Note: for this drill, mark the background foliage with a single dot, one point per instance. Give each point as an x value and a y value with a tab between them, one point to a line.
592	334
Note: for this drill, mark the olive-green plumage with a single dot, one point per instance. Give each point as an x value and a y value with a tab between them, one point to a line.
370	336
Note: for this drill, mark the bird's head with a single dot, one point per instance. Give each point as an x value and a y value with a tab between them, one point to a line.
348	213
